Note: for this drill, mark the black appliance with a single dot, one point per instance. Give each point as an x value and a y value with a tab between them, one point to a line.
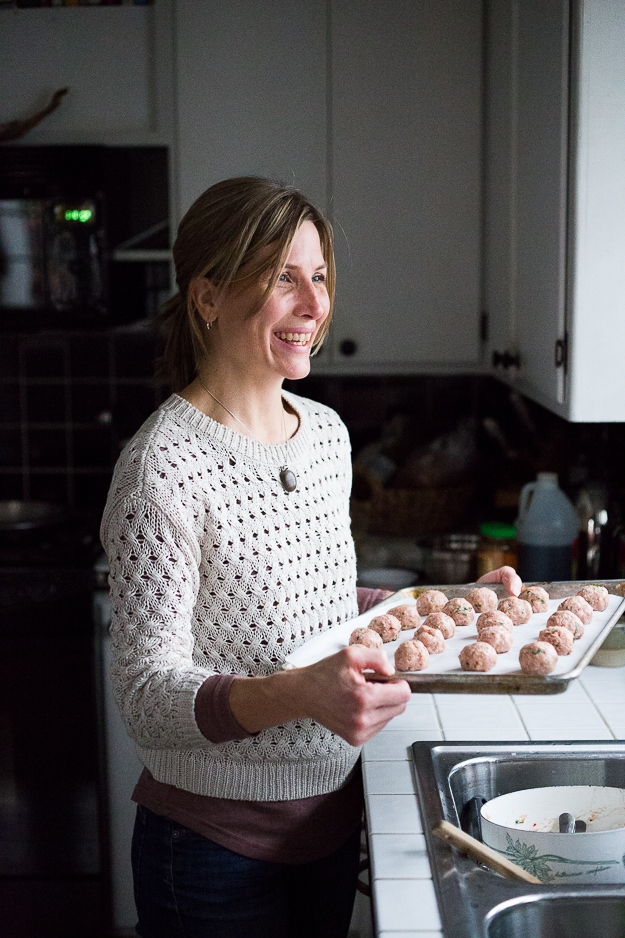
52	879
65	211
53	257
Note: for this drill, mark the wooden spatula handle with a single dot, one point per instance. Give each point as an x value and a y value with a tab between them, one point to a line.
481	852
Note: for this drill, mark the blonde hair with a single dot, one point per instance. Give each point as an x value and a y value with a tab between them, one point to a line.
246	222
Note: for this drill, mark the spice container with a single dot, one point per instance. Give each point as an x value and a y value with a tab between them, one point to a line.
496	547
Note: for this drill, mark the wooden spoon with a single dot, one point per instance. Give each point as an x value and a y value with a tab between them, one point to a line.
481	852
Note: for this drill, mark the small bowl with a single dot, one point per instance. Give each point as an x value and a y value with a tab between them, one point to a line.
523	826
387	578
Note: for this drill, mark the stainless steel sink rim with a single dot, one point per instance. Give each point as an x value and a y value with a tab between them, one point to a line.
599	893
467	893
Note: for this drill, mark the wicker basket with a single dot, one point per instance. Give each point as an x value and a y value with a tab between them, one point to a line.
421	512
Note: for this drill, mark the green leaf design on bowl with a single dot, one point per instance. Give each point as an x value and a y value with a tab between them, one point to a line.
538	864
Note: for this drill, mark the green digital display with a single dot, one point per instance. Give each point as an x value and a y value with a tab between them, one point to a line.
81	212
78	214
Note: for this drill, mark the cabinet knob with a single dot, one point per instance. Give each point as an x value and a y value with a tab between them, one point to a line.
347	347
506	360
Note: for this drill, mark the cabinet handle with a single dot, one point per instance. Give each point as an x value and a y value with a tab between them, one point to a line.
560	353
506	360
348	347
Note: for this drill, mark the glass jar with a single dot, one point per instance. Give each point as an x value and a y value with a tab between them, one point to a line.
497	547
453	559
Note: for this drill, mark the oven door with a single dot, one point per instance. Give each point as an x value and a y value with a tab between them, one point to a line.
49	760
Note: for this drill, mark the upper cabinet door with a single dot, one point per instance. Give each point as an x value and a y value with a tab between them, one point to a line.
527	140
555	202
251	94
541	167
405	137
597	237
119	84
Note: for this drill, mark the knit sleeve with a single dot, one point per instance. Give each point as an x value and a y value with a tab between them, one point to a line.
153	580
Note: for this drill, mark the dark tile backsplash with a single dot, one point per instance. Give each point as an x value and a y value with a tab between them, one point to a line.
90	356
68	402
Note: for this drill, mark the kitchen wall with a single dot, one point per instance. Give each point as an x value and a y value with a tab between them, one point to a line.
70	399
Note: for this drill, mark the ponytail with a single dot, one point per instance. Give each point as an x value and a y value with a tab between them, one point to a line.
177	364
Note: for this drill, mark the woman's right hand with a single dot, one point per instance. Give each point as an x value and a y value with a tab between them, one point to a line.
336	693
333	692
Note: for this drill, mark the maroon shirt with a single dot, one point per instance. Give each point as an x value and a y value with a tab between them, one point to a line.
297	831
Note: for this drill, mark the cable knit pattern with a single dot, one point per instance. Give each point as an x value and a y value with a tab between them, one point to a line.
215	569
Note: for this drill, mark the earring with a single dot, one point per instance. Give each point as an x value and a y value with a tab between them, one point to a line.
208	325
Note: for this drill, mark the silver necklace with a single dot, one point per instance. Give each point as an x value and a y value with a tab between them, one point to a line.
288	479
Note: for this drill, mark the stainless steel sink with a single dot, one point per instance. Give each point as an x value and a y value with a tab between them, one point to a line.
477	903
559	917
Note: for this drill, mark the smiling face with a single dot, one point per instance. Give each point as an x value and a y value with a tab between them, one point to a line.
275	342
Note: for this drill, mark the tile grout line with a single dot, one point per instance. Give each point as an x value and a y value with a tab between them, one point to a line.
438	716
520	716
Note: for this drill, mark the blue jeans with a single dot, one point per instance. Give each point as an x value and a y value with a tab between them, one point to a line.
187	886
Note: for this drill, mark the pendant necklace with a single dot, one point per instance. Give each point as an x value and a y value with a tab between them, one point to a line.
288	479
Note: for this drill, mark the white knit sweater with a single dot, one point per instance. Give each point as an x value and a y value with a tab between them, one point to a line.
216	569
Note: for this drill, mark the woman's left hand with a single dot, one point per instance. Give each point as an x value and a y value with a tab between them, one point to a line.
506	575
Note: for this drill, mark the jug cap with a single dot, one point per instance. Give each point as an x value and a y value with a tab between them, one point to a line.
549	477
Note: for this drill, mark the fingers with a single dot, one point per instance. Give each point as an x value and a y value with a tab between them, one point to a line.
362	658
337	695
385	701
505	575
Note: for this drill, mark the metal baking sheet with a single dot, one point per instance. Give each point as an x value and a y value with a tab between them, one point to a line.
444	674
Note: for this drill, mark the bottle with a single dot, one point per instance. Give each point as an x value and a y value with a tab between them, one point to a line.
594	538
546	529
497	547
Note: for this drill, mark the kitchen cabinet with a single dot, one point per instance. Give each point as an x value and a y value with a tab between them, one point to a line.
250	91
115	60
405	152
554	277
374	110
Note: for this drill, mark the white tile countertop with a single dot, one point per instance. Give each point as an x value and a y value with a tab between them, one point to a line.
403	897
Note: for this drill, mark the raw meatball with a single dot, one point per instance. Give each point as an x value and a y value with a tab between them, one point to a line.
559	636
407	614
387	626
412	656
366	637
480	656
489	619
430	601
445	624
579	606
569	620
460	611
538	658
595	596
431	638
518	610
482	599
537	597
501	639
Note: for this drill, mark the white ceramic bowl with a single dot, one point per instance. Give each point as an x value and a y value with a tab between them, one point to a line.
523	826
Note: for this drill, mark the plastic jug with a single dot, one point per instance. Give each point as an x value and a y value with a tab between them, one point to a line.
546	529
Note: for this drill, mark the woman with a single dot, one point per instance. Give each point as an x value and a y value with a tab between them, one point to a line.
228	536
